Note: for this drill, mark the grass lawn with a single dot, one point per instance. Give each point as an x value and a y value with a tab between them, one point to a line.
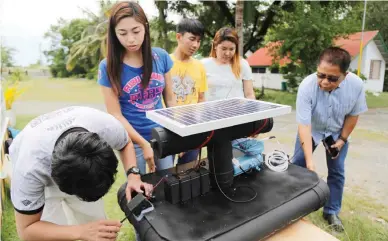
287	98
359	213
61	90
88	91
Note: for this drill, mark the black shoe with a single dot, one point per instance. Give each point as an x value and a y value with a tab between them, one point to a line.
334	222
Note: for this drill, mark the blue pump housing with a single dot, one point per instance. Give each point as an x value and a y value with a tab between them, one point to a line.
247	155
247	164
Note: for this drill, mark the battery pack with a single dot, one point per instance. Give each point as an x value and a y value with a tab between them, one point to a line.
185	187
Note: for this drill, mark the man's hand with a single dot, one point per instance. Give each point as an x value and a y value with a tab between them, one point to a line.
103	230
181	154
338	144
136	184
148	154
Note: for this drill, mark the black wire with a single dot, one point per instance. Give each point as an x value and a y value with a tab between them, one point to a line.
236	201
246	172
195	168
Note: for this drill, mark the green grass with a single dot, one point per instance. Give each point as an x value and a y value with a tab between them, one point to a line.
88	91
358	211
380	101
8	230
61	90
359	214
287	98
279	97
22	120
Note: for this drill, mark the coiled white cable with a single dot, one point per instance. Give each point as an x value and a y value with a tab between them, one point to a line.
277	161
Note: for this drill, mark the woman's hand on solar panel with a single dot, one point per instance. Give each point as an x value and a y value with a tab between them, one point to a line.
148	154
102	230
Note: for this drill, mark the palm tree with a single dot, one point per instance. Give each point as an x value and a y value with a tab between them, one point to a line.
93	41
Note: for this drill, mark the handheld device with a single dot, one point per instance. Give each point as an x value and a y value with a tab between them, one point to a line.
138	206
328	142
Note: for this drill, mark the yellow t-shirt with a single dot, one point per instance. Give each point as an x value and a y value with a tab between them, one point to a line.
188	80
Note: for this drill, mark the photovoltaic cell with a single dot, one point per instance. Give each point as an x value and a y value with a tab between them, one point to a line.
196	118
210	111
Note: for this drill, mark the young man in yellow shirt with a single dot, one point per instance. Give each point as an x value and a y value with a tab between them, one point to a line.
188	74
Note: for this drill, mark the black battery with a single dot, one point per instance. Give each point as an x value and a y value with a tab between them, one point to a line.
171	190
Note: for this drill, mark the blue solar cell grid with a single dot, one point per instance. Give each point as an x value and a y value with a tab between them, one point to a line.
210	111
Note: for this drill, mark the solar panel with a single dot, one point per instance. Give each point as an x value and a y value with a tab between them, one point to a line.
207	116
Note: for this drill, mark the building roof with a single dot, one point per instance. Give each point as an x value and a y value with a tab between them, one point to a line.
351	43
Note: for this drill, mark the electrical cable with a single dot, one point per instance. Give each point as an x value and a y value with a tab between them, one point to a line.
198	163
277	161
230	199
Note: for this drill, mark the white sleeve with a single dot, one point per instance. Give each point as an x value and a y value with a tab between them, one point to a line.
27	193
114	133
246	71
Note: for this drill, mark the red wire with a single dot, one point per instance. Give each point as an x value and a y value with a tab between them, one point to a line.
258	130
157	184
207	140
212	133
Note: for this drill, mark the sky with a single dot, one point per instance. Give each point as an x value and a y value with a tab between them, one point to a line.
24	22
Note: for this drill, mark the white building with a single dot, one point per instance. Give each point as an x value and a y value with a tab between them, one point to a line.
373	66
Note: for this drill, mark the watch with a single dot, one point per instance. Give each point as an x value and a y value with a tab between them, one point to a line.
343	138
133	170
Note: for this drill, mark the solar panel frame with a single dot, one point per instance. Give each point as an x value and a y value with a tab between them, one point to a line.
172	119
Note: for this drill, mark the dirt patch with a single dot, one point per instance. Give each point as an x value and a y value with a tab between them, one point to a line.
367	161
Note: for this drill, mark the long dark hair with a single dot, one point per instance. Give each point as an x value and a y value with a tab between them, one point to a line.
116	51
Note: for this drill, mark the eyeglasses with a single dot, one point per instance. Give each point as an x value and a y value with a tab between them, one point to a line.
330	78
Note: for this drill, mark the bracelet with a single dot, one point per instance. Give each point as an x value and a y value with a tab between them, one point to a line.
343	138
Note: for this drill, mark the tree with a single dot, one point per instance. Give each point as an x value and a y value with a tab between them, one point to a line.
92	44
6	57
301	39
165	40
376	19
161	29
63	36
258	17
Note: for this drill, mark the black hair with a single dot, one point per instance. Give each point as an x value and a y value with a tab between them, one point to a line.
83	165
188	25
336	56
